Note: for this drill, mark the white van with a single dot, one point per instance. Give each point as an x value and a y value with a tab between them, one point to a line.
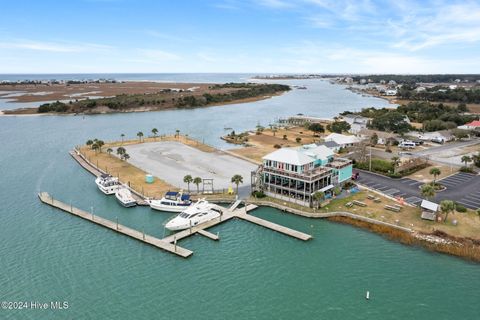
407	145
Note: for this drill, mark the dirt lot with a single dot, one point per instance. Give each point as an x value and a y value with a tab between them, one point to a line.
261	144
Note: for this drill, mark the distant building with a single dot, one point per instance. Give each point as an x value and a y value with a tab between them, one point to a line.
441	136
391	92
296	174
452	87
342	140
383	137
300	120
474	125
335	147
356	122
420	89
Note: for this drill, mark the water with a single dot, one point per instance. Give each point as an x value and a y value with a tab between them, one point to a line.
47	255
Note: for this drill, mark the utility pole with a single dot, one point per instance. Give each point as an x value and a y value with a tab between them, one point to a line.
370	160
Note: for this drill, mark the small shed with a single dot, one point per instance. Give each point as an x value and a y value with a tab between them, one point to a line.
429	210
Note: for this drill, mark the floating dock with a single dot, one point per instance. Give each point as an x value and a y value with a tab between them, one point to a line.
169	243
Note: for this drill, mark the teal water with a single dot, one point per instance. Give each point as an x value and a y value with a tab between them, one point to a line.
251	273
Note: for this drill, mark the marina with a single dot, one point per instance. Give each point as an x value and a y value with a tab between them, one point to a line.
169	243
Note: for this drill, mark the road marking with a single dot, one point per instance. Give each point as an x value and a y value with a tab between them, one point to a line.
383	188
414	183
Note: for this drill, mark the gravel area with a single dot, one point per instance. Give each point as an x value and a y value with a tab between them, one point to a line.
171	161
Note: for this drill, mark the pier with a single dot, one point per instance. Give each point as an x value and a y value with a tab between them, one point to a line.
132	233
169	243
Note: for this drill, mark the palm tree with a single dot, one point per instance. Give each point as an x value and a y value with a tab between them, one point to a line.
395	161
274	131
95	147
154	131
188	179
121	151
89	143
447	206
125	156
109	150
197	181
237	179
428	191
100	144
122	136
435	172
319	196
177	133
466	160
298	139
284	137
140	135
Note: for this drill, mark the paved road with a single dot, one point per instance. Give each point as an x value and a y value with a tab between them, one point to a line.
461	187
446	147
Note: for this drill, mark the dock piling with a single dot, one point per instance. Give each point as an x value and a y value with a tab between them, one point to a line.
117	223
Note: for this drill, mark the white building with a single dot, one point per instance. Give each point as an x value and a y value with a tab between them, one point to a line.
356	122
342	140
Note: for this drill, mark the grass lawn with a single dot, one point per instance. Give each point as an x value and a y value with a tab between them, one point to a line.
409	217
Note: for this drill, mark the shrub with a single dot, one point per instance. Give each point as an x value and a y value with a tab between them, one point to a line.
258	194
277	146
460	208
466	170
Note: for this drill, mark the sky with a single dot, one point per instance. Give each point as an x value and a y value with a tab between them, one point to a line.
248	36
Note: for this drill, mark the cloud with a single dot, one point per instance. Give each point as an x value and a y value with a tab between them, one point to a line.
276	4
53	46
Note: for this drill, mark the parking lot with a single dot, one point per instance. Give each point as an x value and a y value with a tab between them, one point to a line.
405	188
463	188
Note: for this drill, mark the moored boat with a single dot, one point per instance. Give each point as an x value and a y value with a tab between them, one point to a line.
199	212
107	184
171	202
125	198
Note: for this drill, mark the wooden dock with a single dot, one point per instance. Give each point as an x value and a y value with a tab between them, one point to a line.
141	236
169	243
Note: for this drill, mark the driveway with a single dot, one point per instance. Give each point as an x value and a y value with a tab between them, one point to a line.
463	188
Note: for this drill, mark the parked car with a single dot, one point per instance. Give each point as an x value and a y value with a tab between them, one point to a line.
407	145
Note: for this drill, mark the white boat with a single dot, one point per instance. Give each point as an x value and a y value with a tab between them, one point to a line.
124	196
199	212
171	202
107	184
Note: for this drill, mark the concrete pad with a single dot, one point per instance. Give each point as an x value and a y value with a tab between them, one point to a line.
171	161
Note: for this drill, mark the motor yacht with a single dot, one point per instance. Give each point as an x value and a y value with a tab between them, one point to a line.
199	212
107	184
125	198
171	202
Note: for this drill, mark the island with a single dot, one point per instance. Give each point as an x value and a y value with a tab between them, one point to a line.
115	97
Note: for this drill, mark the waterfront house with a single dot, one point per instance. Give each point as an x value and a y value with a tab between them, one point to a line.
296	174
343	140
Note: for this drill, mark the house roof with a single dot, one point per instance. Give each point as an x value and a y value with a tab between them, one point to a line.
342	139
316	152
380	134
290	156
330	144
432	206
475	123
